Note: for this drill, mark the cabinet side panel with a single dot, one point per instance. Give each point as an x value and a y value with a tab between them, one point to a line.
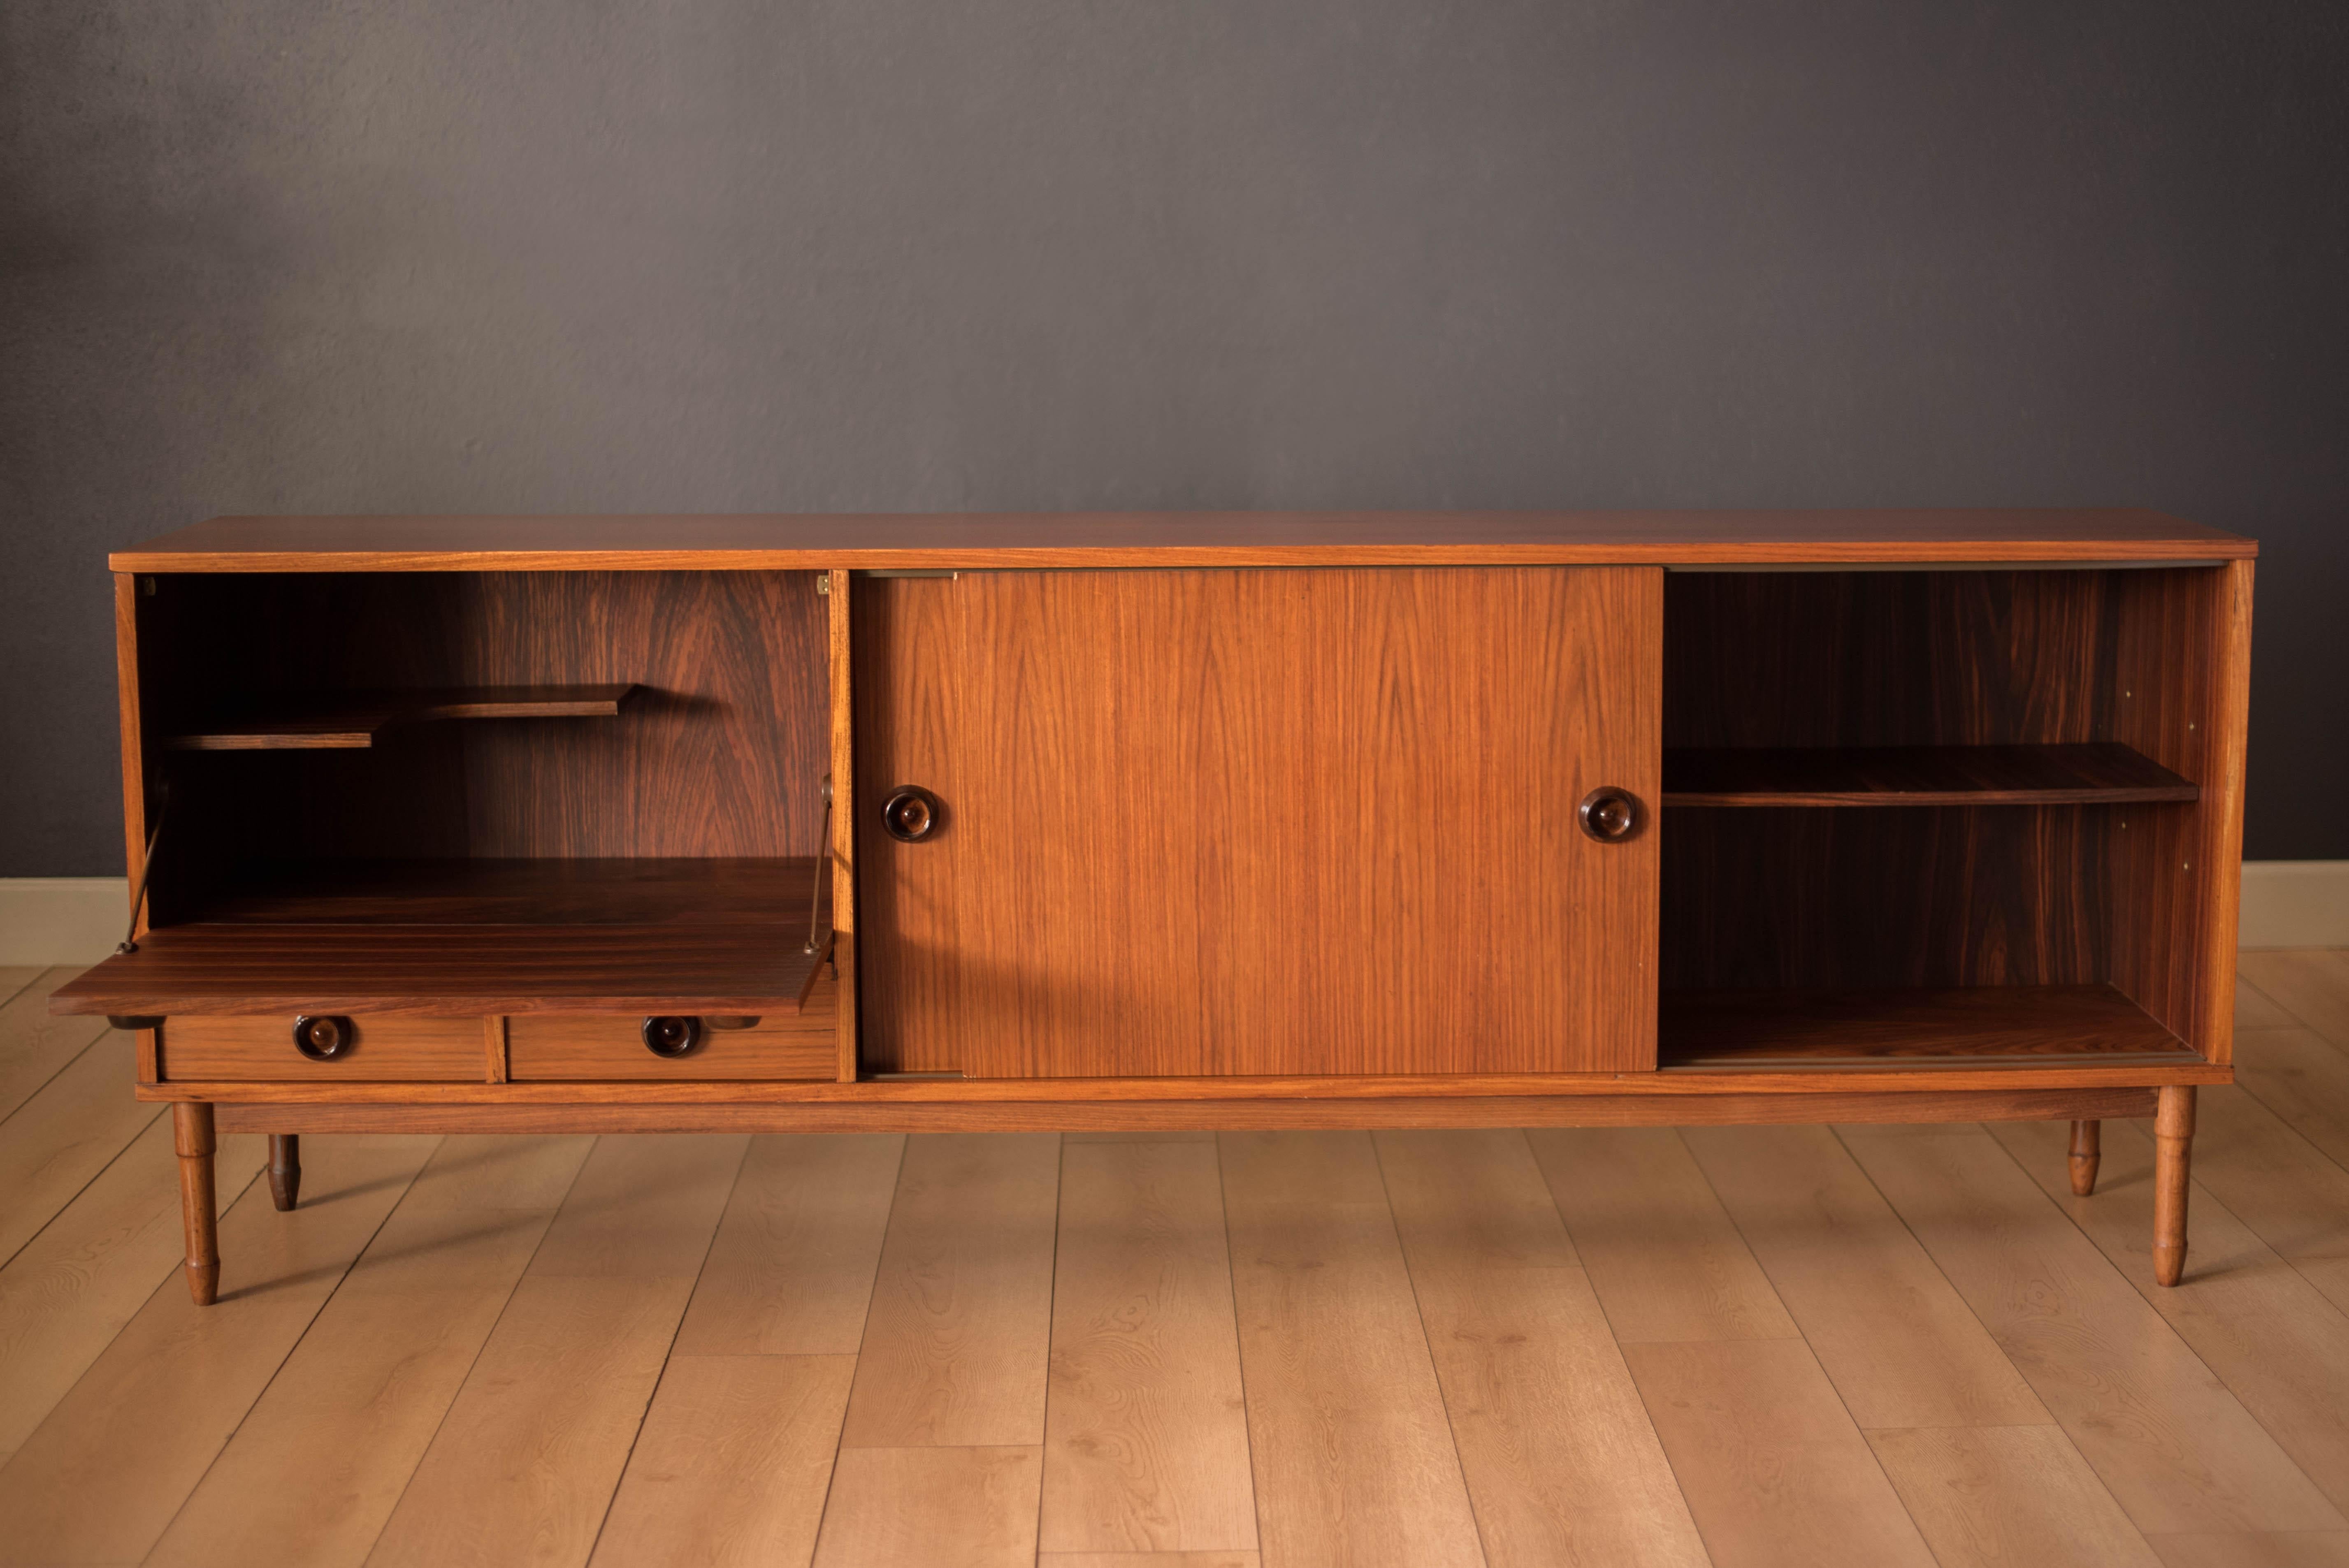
2222	817
1284	822
2181	685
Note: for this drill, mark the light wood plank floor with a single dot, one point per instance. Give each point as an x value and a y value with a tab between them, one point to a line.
1733	1345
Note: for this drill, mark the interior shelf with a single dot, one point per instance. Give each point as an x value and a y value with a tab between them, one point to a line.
1975	1026
470	938
2101	774
352	720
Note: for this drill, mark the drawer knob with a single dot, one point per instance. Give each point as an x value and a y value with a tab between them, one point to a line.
910	814
672	1037
322	1037
1609	814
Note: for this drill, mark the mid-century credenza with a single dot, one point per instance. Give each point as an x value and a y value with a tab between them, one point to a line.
1218	820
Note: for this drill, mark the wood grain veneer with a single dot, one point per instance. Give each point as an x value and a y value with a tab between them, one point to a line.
491	891
2183	662
1216	846
1971	1027
1260	822
1874	666
719	753
767	541
1930	898
261	1048
462	971
608	1047
1848	659
2027	693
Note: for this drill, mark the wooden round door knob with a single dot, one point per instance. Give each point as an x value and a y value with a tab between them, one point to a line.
1609	814
910	814
672	1037
321	1036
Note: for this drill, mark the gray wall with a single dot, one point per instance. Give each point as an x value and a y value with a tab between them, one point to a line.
440	255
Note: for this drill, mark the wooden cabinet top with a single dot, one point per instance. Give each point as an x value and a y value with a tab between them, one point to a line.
911	541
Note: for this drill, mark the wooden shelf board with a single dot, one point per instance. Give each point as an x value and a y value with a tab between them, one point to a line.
2105	773
1975	1027
352	720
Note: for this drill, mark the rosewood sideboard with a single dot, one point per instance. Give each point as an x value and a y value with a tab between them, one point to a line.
1219	820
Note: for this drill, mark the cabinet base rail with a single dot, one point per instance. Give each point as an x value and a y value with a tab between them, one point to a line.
195	1125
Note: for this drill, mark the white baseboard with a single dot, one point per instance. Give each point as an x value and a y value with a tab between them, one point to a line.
2295	903
61	920
78	920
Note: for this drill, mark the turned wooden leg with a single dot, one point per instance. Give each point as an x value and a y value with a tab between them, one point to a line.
2173	1138
191	1139
2085	1151
286	1168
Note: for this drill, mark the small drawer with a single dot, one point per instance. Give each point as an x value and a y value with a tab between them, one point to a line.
543	1046
197	1048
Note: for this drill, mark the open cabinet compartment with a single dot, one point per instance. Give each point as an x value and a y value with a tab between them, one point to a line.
1938	817
477	793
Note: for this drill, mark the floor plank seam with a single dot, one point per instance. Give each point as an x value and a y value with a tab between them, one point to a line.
832	1472
1648	1409
1418	1312
620	1475
1980	1208
1804	1334
458	1384
277	1371
1616	1339
1051	1304
2183	1343
33	1091
2311	1145
1239	1349
69	1202
172	1274
2285	1008
2203	1196
2053	1419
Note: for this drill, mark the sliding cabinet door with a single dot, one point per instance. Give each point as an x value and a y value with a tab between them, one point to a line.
1258	822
